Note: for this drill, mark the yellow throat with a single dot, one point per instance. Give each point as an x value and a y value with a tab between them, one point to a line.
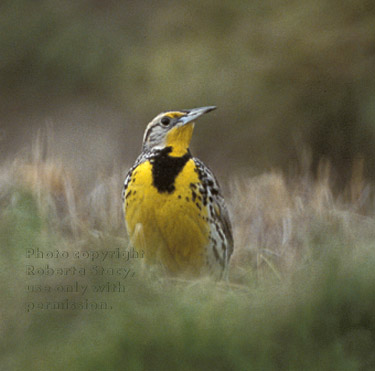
179	139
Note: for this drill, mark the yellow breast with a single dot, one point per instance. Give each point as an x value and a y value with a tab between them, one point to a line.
170	227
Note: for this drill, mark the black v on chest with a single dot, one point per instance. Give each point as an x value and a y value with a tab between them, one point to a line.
165	169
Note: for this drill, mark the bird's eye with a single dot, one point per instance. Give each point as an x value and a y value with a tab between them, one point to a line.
165	120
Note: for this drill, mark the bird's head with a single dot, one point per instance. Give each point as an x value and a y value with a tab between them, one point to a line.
172	129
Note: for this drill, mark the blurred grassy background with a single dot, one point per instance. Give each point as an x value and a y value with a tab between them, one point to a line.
287	76
292	143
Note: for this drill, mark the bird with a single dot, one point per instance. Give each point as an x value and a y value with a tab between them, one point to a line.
173	205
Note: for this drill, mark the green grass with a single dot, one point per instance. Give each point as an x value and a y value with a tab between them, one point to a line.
299	298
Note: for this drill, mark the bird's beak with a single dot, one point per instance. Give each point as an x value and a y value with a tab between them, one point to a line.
192	114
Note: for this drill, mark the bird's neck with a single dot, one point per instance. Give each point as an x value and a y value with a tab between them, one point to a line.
178	139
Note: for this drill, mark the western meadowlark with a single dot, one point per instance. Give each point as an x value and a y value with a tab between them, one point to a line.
174	210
